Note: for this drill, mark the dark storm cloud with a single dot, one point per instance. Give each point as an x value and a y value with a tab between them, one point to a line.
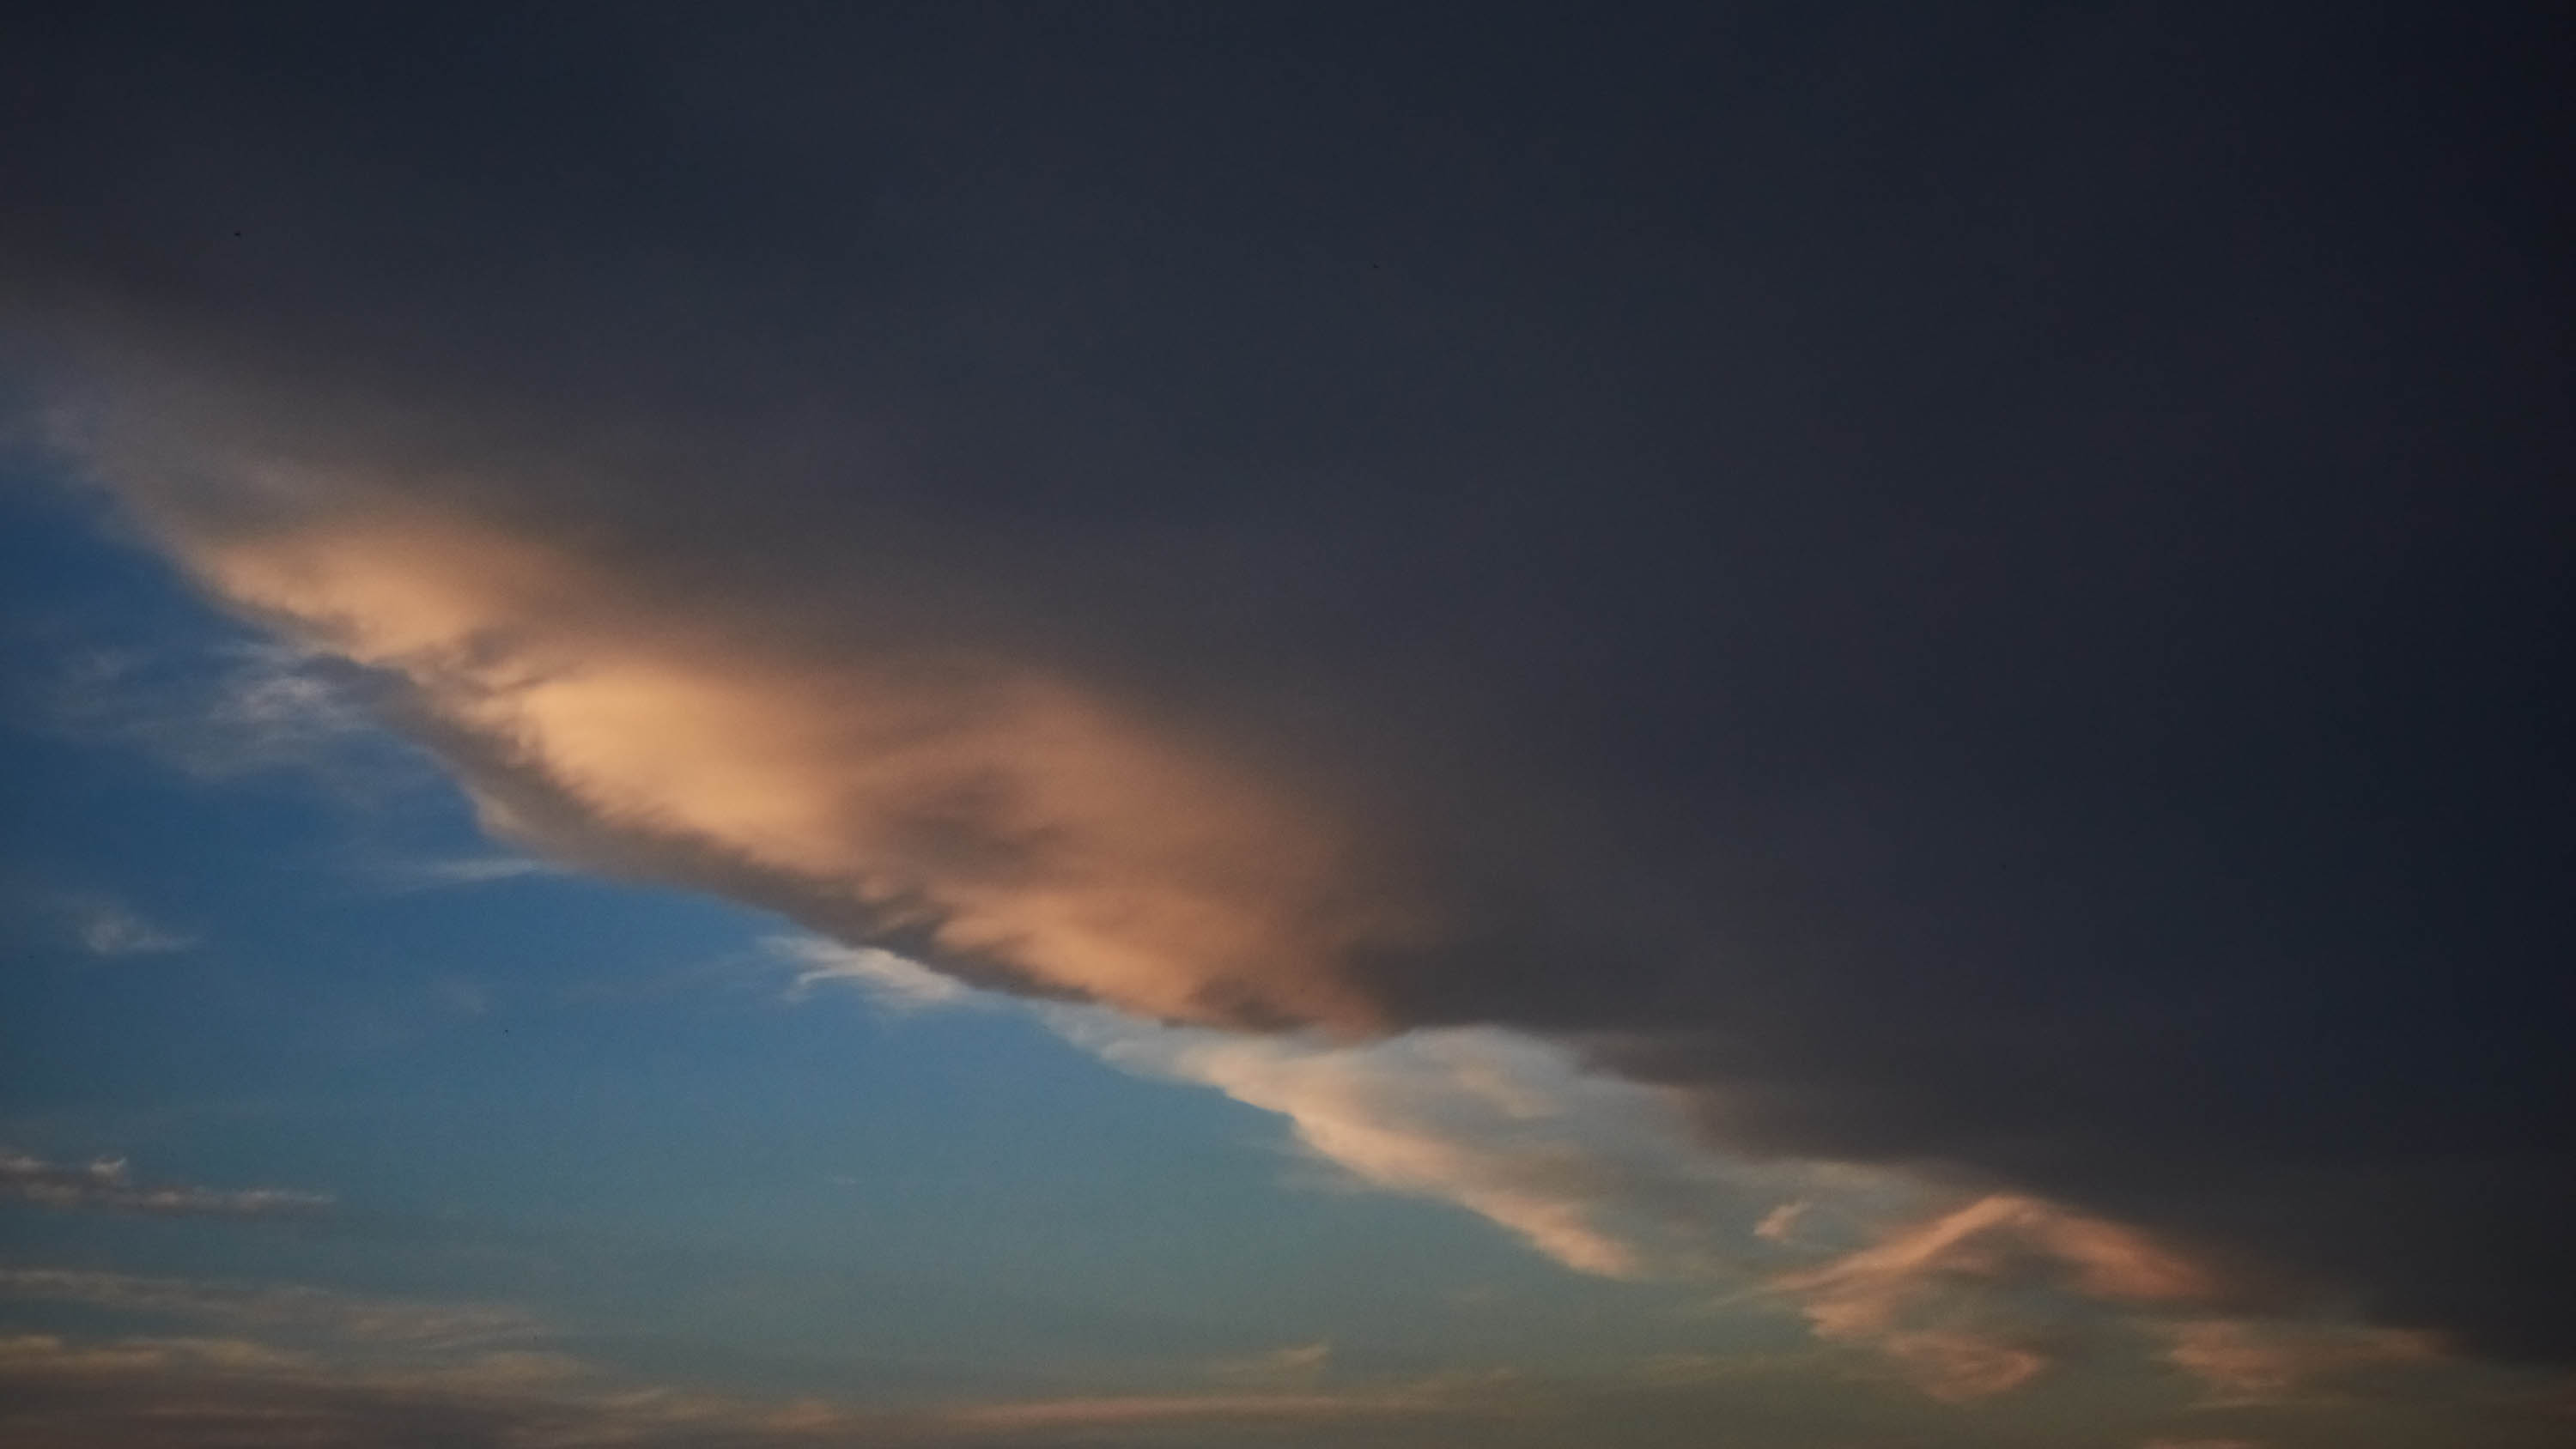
1984	590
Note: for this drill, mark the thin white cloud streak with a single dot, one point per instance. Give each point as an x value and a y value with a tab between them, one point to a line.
106	1185
1598	1173
455	871
896	983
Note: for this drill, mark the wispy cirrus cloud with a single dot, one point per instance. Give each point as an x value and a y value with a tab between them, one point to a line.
130	1392
217	711
107	1185
1299	1364
897	983
1780	1225
446	872
1600	1174
1925	1294
244	1307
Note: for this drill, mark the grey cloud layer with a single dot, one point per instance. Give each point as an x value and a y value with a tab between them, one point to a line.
1967	595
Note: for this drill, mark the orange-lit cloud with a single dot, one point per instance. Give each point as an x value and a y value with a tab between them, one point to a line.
1989	1239
1015	819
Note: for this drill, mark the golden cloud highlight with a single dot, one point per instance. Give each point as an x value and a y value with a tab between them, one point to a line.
1022	825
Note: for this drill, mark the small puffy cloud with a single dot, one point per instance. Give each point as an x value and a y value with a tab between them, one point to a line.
108	927
105	1185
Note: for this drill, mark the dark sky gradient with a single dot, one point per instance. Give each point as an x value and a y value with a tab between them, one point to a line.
1986	588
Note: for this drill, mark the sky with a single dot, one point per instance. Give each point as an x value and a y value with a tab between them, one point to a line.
1787	726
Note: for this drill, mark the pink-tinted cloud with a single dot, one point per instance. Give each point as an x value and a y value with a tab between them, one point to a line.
1916	1295
1020	819
1957	1364
2241	1362
1993	1238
